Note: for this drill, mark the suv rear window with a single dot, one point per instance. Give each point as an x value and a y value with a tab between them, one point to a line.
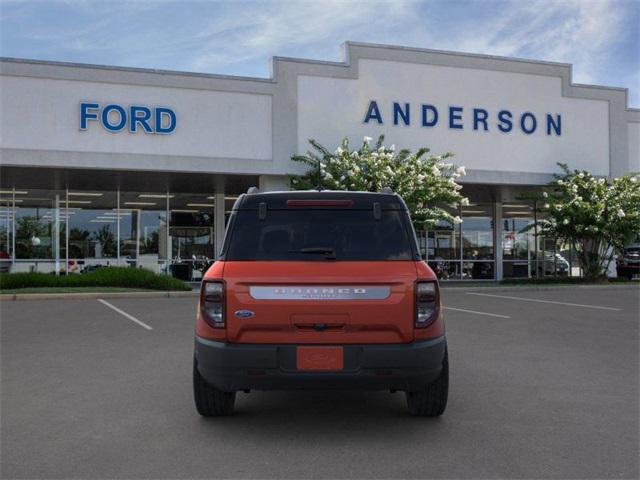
313	234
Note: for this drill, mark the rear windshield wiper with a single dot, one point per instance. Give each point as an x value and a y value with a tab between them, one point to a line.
328	252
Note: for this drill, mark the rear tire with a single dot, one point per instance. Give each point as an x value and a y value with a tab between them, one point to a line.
432	400
211	402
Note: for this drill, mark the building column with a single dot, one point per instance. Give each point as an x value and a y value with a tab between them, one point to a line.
498	239
218	218
270	183
56	233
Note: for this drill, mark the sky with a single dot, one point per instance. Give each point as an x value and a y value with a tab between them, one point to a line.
601	38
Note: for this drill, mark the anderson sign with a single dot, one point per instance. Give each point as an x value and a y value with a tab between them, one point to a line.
459	118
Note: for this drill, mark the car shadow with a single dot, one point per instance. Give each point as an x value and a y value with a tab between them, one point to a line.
328	415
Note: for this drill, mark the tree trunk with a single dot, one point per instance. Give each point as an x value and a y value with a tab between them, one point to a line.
591	259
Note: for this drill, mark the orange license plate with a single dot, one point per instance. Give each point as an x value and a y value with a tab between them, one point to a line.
319	358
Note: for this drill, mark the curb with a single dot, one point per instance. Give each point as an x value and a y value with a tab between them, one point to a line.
94	295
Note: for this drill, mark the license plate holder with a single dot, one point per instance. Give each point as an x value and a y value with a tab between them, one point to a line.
320	359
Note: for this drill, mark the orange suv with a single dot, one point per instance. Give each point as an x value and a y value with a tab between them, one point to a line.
320	290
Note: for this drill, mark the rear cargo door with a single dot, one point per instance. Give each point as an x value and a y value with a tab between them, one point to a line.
320	302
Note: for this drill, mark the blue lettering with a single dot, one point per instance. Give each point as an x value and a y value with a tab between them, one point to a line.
425	116
399	112
455	113
373	112
139	115
162	112
523	123
105	118
480	115
557	125
85	114
504	117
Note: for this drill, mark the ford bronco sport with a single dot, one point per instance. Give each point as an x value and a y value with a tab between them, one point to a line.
319	290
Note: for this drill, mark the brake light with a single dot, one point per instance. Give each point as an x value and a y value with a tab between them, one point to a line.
427	303
212	296
319	203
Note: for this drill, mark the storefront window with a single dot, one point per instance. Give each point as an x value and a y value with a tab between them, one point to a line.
92	229
518	241
76	231
477	232
477	242
441	247
192	234
229	201
6	230
39	226
144	229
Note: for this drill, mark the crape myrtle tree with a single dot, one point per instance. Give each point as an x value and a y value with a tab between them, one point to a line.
424	181
594	215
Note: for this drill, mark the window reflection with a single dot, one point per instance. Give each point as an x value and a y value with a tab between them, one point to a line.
92	229
37	218
518	240
445	270
466	250
477	232
144	229
6	230
192	234
477	242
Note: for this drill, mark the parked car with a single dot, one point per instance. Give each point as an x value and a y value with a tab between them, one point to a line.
5	262
320	290
628	263
554	264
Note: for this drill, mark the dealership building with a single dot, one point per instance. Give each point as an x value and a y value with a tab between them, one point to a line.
103	165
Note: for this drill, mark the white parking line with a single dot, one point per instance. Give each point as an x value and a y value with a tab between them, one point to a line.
477	313
544	301
125	314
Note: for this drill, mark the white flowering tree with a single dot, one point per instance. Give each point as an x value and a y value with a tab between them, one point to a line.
596	216
424	181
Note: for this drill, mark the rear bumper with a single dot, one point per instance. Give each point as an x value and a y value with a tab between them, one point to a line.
232	367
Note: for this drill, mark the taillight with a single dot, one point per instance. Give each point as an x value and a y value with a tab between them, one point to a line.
212	303
427	303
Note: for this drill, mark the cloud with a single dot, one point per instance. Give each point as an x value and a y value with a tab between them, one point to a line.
271	28
599	37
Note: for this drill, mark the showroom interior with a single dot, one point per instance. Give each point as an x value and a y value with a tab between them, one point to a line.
169	223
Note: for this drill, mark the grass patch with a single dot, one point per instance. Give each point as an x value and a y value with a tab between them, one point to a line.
117	277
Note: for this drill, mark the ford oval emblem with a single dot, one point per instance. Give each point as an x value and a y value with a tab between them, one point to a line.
243	313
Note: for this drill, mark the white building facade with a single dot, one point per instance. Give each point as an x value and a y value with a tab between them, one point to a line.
119	166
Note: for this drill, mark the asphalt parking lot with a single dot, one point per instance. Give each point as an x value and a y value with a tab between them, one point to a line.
544	384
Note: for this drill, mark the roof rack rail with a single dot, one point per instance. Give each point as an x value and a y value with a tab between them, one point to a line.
253	190
386	190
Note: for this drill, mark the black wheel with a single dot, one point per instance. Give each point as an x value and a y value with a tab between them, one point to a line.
432	401
211	402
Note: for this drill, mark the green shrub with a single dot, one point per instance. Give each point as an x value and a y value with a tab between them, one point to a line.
103	277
